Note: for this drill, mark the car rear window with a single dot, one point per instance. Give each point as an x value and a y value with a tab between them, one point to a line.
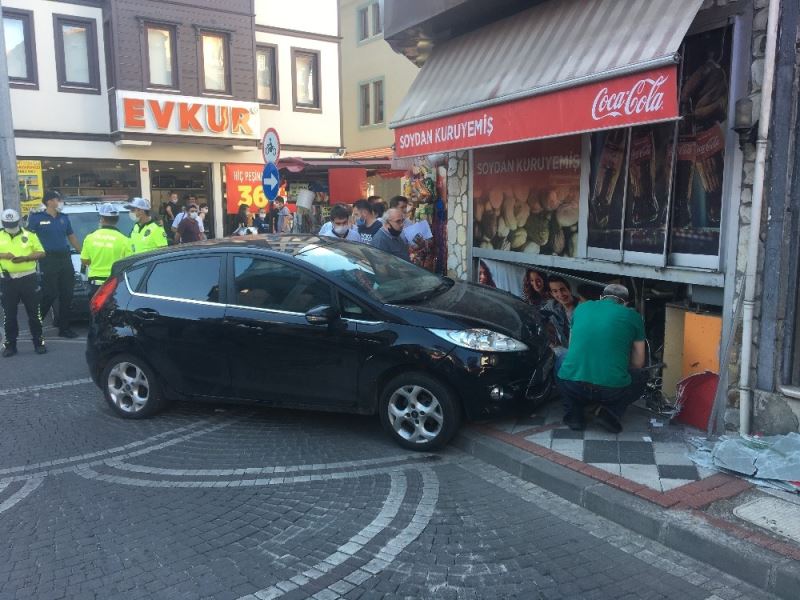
195	278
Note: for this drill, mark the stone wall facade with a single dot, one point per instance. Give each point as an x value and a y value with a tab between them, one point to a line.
457	215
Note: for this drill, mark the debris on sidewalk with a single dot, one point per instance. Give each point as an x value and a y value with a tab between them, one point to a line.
772	461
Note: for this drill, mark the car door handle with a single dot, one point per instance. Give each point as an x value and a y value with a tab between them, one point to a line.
146	314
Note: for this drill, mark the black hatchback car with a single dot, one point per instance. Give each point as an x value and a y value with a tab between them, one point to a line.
315	323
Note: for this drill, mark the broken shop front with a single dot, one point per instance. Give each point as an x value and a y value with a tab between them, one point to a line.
630	178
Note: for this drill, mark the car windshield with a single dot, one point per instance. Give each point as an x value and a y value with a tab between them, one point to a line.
386	278
85	223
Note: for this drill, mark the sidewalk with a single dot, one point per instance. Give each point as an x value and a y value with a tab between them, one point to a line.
643	479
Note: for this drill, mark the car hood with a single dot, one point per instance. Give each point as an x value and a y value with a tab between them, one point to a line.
467	305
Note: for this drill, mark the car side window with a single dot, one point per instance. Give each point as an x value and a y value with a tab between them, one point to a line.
274	285
195	278
353	310
135	276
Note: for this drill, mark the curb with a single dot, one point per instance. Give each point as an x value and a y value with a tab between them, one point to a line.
679	530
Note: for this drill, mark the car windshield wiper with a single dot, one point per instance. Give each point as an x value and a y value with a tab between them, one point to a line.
445	285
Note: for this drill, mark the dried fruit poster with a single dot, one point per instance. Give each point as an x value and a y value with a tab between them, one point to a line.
526	196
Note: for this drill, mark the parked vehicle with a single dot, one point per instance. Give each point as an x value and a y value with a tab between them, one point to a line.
317	323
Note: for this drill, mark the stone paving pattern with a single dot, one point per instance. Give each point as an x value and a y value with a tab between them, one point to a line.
242	503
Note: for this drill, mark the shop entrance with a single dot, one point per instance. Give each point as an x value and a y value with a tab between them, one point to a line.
185	179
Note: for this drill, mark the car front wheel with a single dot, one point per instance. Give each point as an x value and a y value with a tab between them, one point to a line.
419	412
131	388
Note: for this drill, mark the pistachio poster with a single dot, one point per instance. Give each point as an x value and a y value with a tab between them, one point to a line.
526	197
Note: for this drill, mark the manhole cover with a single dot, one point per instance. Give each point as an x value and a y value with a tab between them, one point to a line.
778	516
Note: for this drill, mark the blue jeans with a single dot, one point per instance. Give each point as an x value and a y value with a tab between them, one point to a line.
576	395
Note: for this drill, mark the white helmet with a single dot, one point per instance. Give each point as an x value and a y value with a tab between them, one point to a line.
11	217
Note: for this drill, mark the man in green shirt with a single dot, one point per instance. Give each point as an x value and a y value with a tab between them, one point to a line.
102	248
146	234
606	341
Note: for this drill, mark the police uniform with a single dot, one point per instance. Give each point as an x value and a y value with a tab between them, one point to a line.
103	247
19	282
147	237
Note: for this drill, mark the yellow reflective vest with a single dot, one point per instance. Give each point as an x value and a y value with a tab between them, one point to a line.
23	243
102	248
147	237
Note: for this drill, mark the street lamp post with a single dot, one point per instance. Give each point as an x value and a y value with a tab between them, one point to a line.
9	198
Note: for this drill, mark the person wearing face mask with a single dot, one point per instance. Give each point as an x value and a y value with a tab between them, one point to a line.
367	223
340	225
389	238
146	234
105	246
19	251
262	222
54	230
189	228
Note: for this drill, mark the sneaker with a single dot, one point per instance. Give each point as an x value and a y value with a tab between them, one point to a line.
607	420
40	348
9	350
67	333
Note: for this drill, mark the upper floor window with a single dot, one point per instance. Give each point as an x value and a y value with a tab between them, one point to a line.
266	75
162	60
20	56
371	103
306	80
370	21
214	49
77	62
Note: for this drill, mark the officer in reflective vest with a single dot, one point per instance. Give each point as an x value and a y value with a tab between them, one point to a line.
19	282
146	234
105	246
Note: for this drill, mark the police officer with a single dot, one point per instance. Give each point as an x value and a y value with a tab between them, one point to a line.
105	246
54	230
19	251
146	234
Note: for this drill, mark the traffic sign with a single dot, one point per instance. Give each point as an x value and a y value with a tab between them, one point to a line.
271	181
271	146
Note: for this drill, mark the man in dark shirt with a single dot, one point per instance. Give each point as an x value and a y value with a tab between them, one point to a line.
368	223
58	276
189	229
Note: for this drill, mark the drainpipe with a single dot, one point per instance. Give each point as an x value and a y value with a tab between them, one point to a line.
745	391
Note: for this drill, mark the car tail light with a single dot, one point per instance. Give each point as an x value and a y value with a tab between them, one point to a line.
102	295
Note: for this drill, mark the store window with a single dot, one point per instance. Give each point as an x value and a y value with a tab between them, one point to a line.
20	45
190	181
77	62
267	75
162	59
306	80
656	190
90	177
371	103
526	197
370	21
214	50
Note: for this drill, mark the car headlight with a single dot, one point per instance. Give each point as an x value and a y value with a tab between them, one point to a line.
483	340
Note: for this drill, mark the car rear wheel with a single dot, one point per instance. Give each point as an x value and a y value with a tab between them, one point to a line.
419	412
131	387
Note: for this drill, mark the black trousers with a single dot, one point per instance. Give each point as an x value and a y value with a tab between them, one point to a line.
58	283
26	290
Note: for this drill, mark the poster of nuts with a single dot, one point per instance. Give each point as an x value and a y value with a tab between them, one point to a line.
526	197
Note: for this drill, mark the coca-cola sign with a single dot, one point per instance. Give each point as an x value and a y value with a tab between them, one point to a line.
644	96
647	97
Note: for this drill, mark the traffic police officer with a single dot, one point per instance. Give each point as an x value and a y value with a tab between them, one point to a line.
105	246
19	251
146	234
54	230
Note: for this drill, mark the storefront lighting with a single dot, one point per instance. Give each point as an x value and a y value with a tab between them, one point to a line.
172	168
187	166
69	162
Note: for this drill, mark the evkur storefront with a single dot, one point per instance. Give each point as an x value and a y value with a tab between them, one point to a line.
596	143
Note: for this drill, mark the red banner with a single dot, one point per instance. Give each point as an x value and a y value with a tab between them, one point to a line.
347	185
243	186
646	97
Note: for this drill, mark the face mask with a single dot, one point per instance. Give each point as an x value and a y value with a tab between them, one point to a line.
12	228
340	230
193	214
132	216
60	206
395	232
262	215
361	222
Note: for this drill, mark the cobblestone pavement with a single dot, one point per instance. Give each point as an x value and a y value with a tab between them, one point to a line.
241	503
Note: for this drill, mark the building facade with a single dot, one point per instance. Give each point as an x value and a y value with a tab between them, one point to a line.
374	81
620	146
141	97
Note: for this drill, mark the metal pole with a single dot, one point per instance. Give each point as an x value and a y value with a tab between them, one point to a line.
9	198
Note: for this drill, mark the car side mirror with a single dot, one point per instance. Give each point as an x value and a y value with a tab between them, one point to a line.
322	315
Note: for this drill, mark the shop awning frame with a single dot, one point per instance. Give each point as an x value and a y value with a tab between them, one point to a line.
555	45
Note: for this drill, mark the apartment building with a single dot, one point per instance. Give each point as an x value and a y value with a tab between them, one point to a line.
142	97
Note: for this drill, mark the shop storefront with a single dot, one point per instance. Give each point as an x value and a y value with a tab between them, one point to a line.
612	160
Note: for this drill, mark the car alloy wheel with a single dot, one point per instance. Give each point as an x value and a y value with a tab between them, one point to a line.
128	387
415	414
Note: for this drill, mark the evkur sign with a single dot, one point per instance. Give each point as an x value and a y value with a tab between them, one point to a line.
165	114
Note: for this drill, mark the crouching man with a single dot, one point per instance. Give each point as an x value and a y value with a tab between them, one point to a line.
606	341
